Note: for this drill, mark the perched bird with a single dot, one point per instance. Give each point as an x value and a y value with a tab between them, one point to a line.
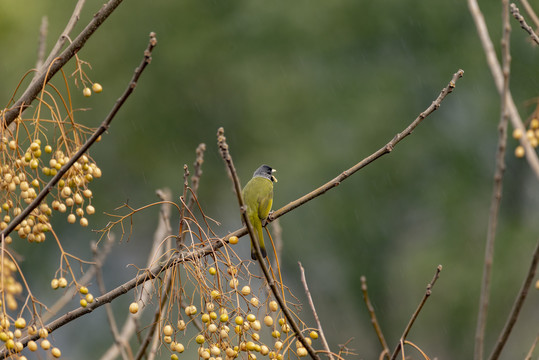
258	197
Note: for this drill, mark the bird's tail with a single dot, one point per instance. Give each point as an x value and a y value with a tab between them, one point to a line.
260	236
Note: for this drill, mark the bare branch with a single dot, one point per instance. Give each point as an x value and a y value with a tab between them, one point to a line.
55	64
530	12
523	24
382	151
100	130
497	189
42	44
75	16
416	313
311	304
374	320
517	306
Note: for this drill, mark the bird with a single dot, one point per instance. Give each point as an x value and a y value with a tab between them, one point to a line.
258	197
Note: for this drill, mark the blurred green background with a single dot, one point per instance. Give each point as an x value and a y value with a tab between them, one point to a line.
310	88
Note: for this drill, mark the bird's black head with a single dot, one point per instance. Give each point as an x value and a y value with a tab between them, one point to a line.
265	171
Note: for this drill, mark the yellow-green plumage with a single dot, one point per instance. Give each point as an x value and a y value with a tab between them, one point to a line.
258	197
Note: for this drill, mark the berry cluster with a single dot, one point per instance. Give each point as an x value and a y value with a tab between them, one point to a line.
232	326
532	134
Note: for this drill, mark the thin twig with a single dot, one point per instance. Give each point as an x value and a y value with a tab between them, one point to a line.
56	63
374	320
523	24
123	346
223	147
382	151
497	75
496	191
416	313
162	231
517	306
532	348
313	309
530	12
97	133
42	44
75	16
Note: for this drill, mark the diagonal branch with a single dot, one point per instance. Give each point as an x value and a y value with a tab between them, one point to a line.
102	128
517	305
55	64
382	151
416	313
523	24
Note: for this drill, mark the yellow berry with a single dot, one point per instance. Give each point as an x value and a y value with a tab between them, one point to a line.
48	149
215	294
250	345
174	357
181	325
83	302
233	240
212	271
32	346
32	330
302	352
205	318
212	328
519	151
56	352
537	284
246	290
517	134
71	218
87	92
133	308
90	210
83	290
534	124
168	330
254	301
83	222
97	88
200	339
251	317
10	344
223	318
273	305
215	351
167	339
180	348
313	335
238	320
45	344
20	323
89	298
